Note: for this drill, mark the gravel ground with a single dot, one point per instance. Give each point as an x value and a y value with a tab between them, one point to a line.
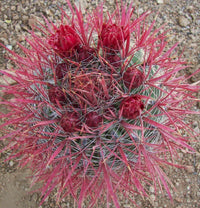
183	20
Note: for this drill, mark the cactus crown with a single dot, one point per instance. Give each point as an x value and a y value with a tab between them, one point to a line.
97	106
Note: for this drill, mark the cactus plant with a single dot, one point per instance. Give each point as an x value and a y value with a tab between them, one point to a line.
99	106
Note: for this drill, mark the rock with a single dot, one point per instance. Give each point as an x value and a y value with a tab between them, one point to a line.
160	1
152	197
190	9
151	189
197	130
21	38
17	27
190	169
178	199
15	17
11	163
34	197
183	21
32	22
127	206
19	8
13	42
24	18
9	65
195	124
3	25
13	8
187	180
4	41
136	3
140	11
49	13
9	47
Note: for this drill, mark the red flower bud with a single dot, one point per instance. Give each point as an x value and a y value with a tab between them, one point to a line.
56	94
131	107
113	36
61	70
64	40
134	77
70	122
93	119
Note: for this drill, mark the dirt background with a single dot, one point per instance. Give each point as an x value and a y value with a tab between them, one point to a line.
183	20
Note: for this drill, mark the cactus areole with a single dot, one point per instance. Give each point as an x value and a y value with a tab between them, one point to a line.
98	107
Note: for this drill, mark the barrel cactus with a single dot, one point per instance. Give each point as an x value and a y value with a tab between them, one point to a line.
99	107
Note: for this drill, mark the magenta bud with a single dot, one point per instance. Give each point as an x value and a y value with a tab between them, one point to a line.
93	119
133	77
131	106
70	122
56	94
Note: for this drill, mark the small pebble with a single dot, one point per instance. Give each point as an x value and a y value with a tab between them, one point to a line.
190	169
140	10
178	199
197	130
32	22
16	17
190	9
9	47
18	27
3	25
187	180
151	189
160	1
24	18
153	197
195	124
4	40
183	21
11	163
13	8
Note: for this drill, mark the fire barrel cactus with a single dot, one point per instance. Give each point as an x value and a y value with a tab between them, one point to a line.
99	106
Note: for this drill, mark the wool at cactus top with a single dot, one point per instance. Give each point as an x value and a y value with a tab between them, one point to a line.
98	106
